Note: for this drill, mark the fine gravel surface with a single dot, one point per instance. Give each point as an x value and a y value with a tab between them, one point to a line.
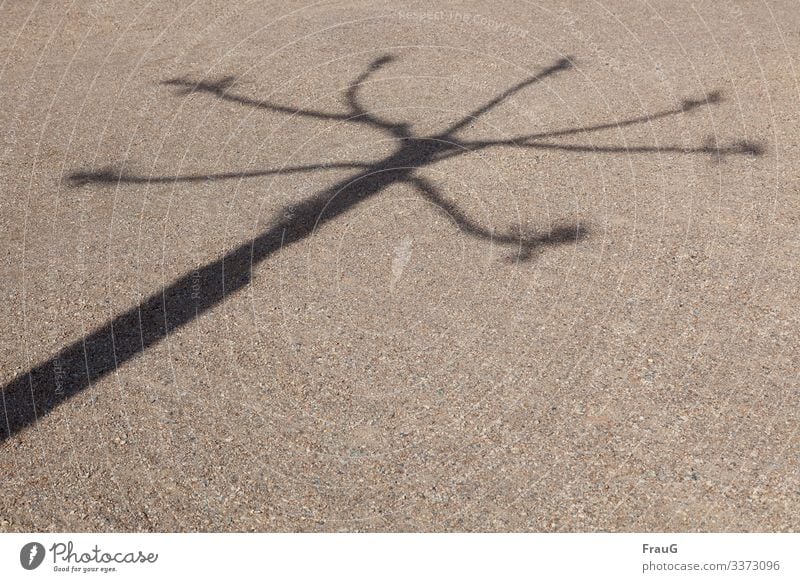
400	266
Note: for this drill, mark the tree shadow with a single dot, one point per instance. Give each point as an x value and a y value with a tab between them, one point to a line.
38	391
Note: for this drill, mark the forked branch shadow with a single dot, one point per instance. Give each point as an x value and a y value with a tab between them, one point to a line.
41	389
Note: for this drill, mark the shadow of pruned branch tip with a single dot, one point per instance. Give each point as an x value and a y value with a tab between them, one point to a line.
566	63
567	233
381	61
106	175
748	148
187	87
530	245
711	99
739	148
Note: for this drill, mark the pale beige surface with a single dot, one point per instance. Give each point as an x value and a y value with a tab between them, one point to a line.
390	371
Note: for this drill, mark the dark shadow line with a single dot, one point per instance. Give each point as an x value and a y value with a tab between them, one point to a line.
220	87
356	114
526	242
35	393
561	65
31	396
114	176
739	148
688	105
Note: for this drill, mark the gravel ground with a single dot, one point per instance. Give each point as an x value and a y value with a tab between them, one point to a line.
380	266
